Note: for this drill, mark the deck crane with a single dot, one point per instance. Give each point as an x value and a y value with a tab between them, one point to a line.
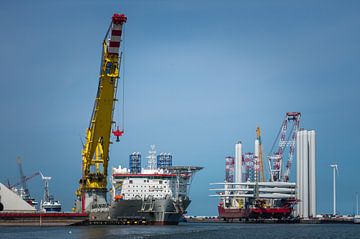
27	178
22	176
24	190
95	154
286	140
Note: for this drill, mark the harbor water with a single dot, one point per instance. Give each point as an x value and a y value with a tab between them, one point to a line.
187	231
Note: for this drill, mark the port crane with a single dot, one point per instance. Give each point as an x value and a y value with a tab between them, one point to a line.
27	178
95	154
262	173
286	143
23	191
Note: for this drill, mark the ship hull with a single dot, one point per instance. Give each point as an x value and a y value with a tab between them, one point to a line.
254	213
42	219
157	211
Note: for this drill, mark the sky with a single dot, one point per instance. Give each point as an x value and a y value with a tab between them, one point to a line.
198	76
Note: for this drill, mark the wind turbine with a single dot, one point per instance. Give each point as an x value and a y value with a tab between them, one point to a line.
335	171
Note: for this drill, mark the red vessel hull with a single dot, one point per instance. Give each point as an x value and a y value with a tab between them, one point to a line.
254	213
42	219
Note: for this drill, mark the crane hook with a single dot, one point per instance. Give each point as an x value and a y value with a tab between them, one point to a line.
118	133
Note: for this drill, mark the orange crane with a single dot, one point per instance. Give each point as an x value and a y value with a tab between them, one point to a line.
261	162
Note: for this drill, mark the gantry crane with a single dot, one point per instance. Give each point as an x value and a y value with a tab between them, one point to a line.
95	153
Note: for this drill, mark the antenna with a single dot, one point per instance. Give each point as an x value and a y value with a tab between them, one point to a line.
152	157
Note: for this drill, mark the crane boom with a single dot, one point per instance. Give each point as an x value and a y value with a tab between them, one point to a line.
261	162
22	176
286	142
95	153
26	179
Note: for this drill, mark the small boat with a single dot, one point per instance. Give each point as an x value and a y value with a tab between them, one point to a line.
357	219
51	205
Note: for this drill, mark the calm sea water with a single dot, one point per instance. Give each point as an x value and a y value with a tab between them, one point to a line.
187	231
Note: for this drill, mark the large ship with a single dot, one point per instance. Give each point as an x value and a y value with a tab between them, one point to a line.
246	194
158	194
249	200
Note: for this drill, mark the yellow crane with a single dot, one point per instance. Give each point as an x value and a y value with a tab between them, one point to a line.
95	154
261	162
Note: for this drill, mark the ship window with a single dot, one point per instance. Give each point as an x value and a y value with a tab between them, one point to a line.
130	181
160	182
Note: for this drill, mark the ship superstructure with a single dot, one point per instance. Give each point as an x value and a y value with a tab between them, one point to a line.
158	194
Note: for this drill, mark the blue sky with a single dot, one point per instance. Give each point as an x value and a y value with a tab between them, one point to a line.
199	76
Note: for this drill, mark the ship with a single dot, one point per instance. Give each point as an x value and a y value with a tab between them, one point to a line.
245	194
15	211
255	200
48	204
51	205
25	195
158	194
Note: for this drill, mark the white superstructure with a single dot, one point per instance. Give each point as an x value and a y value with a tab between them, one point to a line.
155	183
150	183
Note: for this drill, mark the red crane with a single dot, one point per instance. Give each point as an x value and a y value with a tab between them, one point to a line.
286	147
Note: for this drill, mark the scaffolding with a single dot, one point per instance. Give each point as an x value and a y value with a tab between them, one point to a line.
135	163
164	161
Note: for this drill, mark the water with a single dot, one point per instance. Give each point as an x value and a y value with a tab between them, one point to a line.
187	231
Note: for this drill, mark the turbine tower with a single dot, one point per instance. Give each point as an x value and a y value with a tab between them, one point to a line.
335	171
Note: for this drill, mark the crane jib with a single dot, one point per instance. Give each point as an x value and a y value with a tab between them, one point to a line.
95	154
